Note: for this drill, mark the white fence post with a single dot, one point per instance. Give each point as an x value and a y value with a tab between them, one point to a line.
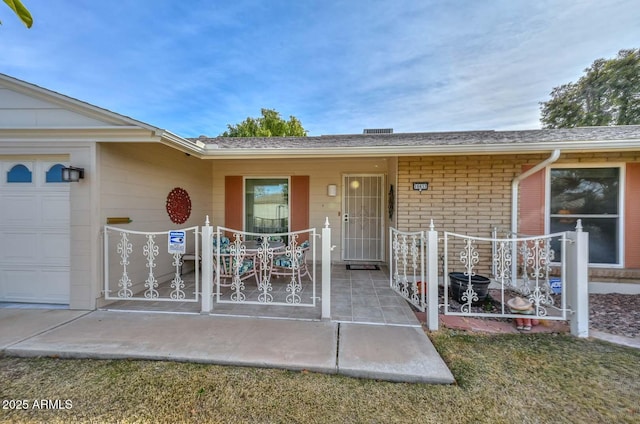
432	278
577	284
207	266
326	270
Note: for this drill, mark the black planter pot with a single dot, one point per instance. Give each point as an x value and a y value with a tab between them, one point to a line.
460	282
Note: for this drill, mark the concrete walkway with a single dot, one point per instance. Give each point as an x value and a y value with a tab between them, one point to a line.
393	353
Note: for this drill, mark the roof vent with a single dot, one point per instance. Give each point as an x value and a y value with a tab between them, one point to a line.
378	131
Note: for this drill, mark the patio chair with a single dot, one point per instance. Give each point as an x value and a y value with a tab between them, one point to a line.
189	257
283	265
229	263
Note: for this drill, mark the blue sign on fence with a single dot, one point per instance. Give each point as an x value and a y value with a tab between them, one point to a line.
177	242
556	285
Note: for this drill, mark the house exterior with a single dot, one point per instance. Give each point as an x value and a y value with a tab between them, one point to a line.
529	182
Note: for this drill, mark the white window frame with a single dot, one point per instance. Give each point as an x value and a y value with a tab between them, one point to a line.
621	202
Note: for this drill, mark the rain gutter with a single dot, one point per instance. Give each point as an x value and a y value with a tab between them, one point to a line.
211	151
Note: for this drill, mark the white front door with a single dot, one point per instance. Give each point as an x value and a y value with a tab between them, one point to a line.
363	217
34	232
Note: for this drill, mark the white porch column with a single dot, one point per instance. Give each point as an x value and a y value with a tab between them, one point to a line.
577	284
326	270
207	266
432	278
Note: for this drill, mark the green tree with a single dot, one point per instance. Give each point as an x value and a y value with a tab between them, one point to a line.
270	124
608	94
22	12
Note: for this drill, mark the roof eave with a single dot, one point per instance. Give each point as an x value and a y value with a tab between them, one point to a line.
195	147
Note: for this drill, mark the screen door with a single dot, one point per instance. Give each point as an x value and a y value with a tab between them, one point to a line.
363	218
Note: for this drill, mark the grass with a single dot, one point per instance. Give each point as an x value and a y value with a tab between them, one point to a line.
535	378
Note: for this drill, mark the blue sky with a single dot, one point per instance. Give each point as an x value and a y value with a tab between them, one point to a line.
193	67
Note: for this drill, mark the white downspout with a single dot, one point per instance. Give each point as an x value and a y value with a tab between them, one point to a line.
515	184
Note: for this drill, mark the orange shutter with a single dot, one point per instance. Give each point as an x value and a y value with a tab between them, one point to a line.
632	216
233	217
532	203
300	204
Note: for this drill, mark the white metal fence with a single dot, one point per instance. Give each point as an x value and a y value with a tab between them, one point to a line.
190	265
466	291
147	266
261	268
548	274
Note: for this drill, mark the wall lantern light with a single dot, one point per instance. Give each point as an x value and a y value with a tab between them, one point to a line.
332	190
72	174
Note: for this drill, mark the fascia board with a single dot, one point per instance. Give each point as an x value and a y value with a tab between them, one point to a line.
187	146
94	134
41	147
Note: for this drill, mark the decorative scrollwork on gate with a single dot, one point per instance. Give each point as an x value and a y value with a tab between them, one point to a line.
469	256
468	297
265	259
538	256
177	284
150	251
238	251
407	266
293	253
502	260
539	298
415	264
125	247
401	253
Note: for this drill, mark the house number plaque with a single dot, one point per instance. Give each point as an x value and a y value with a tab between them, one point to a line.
421	186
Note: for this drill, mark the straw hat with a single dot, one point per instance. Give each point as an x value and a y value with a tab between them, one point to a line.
519	304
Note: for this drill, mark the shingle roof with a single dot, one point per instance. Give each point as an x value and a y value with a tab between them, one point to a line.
583	134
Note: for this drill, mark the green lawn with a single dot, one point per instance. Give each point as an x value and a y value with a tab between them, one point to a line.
536	378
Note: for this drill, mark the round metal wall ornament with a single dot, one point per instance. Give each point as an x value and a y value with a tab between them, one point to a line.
178	205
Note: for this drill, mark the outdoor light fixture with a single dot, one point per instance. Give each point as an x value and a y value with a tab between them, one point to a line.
332	190
72	174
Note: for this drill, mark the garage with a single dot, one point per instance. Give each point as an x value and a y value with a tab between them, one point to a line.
34	231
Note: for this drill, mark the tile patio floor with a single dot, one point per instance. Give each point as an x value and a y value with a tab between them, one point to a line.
356	296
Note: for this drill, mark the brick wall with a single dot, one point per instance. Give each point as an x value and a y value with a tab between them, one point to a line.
467	194
470	194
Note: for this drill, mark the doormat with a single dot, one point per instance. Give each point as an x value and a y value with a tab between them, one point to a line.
363	267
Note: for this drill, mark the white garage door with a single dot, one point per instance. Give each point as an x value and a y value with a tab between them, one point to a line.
34	232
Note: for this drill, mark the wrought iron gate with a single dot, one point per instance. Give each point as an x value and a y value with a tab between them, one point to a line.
522	267
265	268
407	266
138	266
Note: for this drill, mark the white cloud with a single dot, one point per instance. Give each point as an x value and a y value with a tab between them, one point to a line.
194	67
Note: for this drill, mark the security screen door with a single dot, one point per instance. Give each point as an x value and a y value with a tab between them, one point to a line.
362	218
